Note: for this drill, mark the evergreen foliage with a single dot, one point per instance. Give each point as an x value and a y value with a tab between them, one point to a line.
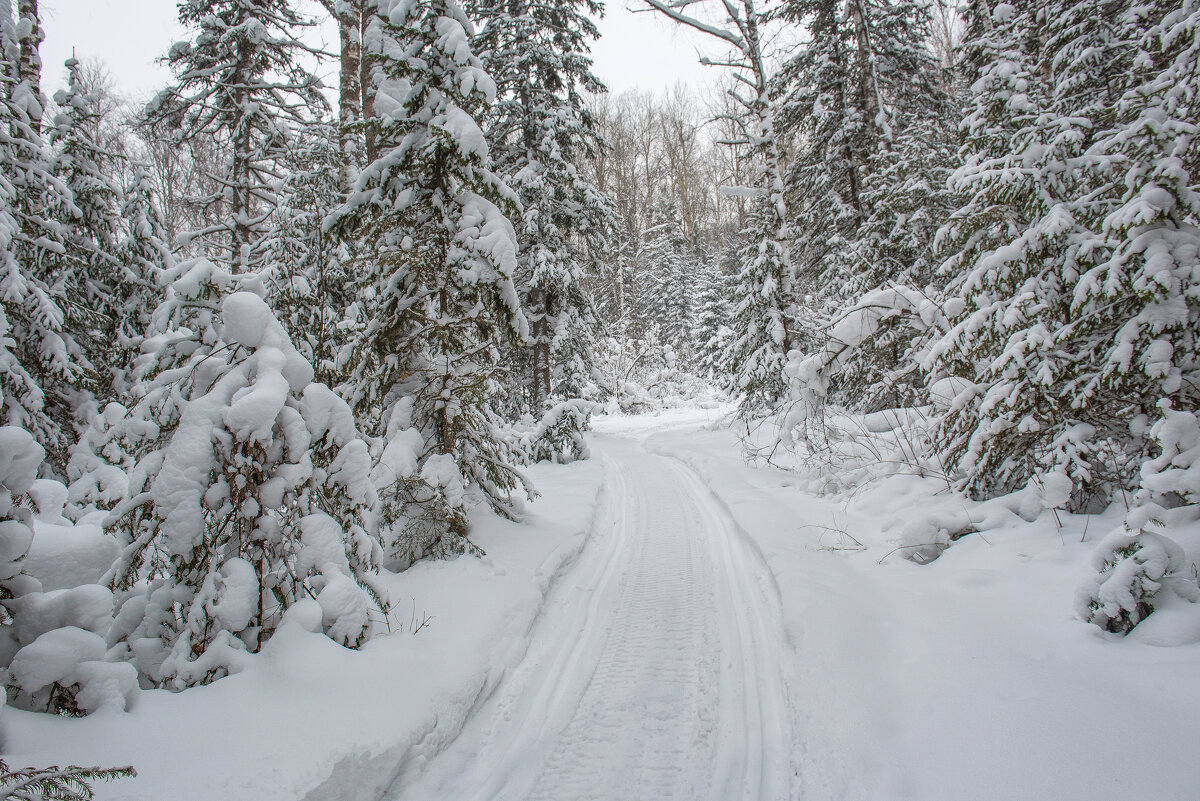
539	131
72	783
438	256
42	362
240	81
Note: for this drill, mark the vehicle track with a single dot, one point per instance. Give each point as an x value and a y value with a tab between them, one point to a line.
653	672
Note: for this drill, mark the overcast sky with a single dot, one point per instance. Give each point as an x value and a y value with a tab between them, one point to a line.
642	51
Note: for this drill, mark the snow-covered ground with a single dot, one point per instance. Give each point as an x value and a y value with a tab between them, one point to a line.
310	719
676	623
966	678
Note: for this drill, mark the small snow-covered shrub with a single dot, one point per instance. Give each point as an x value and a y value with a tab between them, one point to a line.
1175	472
64	671
52	646
1132	567
1136	564
558	436
20	456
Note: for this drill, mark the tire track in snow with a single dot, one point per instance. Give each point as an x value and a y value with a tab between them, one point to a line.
653	674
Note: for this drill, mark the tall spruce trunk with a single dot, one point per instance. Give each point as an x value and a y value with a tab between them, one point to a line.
29	66
349	17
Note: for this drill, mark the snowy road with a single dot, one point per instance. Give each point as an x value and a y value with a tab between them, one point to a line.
654	672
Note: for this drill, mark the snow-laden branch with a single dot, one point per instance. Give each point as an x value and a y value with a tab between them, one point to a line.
672	11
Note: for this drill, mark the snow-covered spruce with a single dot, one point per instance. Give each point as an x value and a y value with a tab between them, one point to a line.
311	288
539	129
98	285
241	82
41	363
1132	567
558	435
437	256
250	492
1075	252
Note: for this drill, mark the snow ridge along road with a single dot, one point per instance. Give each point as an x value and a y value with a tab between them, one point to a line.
654	672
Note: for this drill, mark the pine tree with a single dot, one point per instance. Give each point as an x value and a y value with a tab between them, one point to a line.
436	264
240	81
539	129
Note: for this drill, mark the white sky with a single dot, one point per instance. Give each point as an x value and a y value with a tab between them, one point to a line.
637	51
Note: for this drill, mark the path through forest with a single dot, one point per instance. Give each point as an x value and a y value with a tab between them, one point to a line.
654	672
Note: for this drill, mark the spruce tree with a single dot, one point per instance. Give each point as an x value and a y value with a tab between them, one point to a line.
311	286
437	256
669	278
240	81
250	491
1065	336
41	362
539	129
97	285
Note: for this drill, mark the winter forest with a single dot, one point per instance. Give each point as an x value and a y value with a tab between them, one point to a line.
406	412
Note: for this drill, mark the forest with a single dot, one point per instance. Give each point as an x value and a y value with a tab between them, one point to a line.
267	341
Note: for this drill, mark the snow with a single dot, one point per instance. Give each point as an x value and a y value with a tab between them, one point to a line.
67	556
697	628
969	677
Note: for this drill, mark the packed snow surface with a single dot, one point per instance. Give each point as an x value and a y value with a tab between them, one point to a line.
675	623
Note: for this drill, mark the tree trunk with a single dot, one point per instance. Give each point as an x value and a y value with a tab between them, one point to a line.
367	88
349	17
29	67
539	317
866	67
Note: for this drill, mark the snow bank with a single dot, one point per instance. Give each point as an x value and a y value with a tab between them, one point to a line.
970	677
308	719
